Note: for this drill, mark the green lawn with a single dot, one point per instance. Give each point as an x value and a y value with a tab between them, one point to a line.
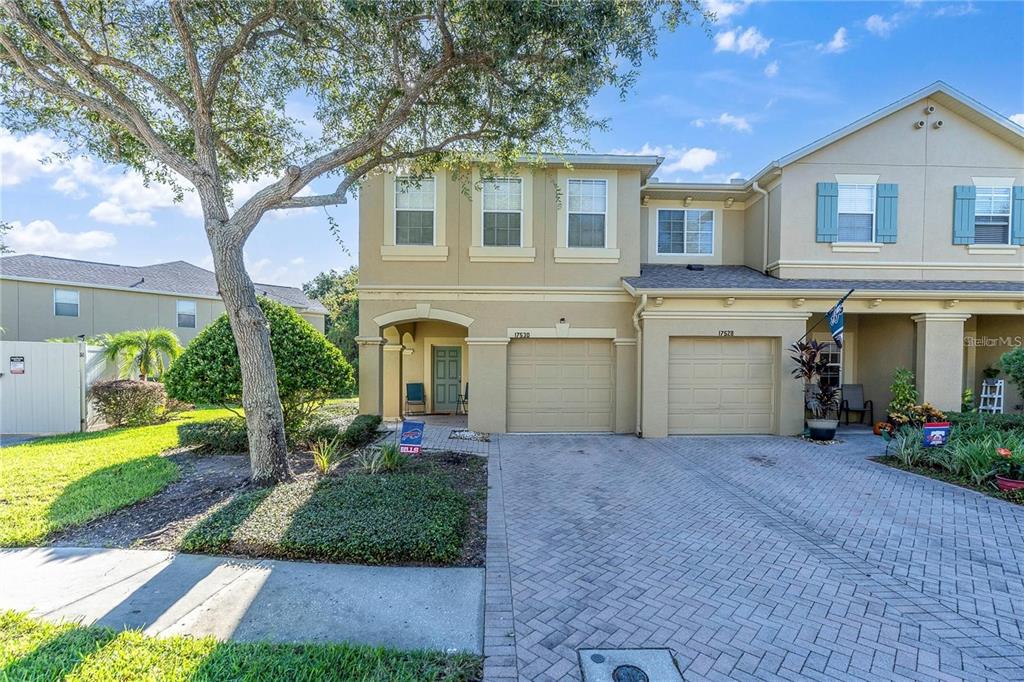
36	650
53	483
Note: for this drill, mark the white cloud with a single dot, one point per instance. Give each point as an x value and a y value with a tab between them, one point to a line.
677	159
772	70
838	44
24	157
42	237
267	271
879	25
113	213
726	9
727	120
960	10
740	41
1018	119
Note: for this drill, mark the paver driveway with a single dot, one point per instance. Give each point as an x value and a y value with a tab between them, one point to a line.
750	558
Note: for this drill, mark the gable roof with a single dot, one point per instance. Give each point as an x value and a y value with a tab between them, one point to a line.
945	94
174	278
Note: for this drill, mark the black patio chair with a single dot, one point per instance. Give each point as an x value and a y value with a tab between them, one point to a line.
853	401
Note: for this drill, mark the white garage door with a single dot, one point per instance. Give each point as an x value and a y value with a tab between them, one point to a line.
721	385
560	385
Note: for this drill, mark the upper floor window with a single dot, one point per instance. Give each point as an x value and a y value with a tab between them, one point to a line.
503	212
414	211
186	311
686	231
992	215
856	213
65	303
588	213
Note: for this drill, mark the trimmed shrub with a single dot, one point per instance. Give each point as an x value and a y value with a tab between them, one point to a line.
361	431
1012	362
227	435
126	402
315	429
309	368
964	421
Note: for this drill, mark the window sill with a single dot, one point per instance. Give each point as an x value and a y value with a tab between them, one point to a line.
413	253
856	247
569	255
502	254
992	249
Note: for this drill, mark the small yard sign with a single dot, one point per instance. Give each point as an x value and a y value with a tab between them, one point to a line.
411	442
936	434
17	364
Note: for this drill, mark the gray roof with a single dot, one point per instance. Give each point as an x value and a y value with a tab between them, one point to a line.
177	277
660	276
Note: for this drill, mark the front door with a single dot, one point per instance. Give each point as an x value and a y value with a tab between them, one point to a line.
447	377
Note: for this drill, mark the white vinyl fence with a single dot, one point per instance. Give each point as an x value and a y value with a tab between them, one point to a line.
43	385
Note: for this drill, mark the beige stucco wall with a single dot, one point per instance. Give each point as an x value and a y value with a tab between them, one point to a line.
926	163
997	334
26	312
884	344
753	232
376	225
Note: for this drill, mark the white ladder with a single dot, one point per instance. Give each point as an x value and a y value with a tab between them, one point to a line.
991	396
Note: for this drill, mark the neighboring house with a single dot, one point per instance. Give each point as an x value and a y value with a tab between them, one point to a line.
564	297
42	297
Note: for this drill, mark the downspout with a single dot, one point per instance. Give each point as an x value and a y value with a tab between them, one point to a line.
639	362
757	188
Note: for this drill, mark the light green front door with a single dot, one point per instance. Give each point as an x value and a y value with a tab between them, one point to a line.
447	377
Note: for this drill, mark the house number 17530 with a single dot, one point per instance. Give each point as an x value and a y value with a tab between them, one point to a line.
521	335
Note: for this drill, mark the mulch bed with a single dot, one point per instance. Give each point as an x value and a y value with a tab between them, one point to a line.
209	482
1015	497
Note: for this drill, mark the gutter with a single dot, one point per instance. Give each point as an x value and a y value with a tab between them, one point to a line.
824	294
767	208
639	363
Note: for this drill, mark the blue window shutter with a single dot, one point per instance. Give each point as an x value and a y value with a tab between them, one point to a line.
828	212
885	213
1017	216
963	214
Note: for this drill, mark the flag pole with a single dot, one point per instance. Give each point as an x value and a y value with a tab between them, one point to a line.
827	313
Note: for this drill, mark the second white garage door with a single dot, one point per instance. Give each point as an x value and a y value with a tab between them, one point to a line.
721	385
560	385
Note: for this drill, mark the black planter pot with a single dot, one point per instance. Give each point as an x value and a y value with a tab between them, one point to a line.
822	429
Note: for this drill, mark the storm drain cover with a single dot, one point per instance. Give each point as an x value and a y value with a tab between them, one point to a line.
628	665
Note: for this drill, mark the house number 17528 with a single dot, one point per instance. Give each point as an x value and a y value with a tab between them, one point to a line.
726	332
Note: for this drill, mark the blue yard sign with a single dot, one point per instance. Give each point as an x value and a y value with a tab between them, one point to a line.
411	442
936	434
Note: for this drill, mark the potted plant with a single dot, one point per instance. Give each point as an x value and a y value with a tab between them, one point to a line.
1009	468
822	399
990	372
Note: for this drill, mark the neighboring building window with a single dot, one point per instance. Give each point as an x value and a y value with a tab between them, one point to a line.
414	211
992	215
686	231
65	303
503	212
856	213
186	314
588	208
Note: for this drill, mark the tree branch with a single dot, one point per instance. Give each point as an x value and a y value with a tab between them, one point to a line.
245	37
188	48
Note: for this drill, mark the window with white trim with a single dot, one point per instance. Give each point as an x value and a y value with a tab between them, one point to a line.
588	213
186	311
414	211
856	213
65	303
503	212
686	231
992	215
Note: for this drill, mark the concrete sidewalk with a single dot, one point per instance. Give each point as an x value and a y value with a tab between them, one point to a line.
248	600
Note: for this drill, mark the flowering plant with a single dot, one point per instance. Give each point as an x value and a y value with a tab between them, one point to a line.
1009	464
916	415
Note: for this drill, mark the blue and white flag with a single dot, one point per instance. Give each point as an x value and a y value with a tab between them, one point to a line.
835	323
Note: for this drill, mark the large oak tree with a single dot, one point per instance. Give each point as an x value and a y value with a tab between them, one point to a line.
194	94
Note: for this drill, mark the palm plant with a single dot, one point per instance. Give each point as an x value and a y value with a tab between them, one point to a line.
146	352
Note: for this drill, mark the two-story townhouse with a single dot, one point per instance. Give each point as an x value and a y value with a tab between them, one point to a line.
588	296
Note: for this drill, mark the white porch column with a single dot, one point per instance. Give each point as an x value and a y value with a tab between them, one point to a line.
940	358
369	374
393	390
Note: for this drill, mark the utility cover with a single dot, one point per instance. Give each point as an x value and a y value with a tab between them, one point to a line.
628	665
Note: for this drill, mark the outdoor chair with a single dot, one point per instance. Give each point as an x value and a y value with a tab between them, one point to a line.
462	402
414	396
853	401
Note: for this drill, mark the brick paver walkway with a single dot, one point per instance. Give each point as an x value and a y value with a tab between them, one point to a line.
437	434
750	558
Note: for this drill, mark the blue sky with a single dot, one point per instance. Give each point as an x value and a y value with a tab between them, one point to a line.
770	77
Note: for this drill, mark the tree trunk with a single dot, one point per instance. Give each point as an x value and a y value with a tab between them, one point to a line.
263	414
